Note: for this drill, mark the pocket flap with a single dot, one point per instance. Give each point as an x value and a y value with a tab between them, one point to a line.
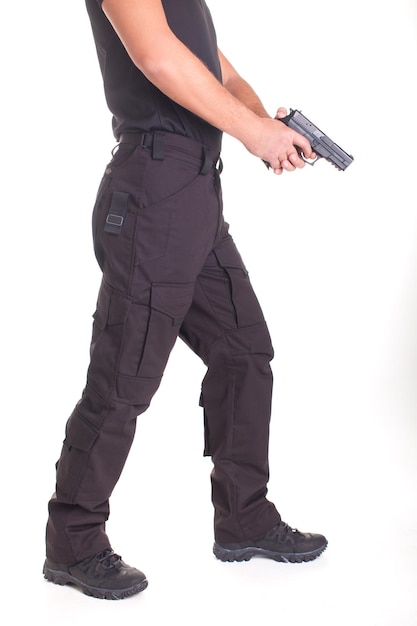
228	256
79	434
172	299
112	307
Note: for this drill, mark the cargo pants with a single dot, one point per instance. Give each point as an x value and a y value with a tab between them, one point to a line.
170	268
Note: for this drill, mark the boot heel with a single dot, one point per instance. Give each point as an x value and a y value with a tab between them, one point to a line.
225	555
55	577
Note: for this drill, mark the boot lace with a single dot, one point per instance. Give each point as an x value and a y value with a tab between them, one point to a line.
108	558
283	533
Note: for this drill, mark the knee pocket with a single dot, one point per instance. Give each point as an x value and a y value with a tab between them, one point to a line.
80	437
246	310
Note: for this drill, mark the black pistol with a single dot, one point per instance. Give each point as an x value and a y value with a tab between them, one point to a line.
322	145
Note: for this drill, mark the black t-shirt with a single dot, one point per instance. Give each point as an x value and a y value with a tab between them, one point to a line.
136	104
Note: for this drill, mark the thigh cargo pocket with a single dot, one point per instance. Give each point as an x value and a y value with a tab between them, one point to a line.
150	333
132	340
169	302
108	338
246	308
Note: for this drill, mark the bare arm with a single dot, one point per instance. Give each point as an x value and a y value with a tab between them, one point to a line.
172	67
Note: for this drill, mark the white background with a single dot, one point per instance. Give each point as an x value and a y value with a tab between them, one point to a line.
332	256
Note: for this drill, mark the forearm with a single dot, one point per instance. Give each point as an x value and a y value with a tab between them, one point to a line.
234	112
238	87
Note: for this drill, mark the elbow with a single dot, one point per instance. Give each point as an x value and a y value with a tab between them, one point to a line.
153	66
148	64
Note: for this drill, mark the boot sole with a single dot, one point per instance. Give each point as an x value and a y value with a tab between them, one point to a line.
62	578
245	554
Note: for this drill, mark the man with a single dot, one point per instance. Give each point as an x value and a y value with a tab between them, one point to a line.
170	268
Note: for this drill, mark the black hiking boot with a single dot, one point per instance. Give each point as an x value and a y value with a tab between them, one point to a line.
103	576
281	543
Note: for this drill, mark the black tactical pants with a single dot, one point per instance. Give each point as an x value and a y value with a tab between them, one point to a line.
170	268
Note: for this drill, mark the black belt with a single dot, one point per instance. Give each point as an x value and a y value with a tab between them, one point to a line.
157	140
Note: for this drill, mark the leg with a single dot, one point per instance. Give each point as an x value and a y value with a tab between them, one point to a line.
154	223
225	327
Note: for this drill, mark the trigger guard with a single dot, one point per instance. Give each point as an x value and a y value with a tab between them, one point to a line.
308	161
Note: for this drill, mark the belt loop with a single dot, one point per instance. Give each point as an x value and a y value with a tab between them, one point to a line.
206	162
158	146
143	140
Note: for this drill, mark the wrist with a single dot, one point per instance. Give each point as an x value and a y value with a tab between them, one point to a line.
253	133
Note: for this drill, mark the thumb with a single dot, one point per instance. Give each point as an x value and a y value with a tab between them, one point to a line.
282	112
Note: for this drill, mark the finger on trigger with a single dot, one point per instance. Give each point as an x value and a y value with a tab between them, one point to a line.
304	146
